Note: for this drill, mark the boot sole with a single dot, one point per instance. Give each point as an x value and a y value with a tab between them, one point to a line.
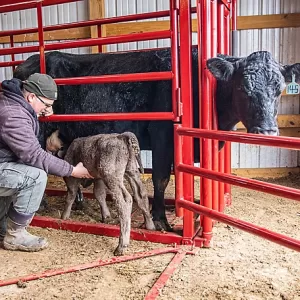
24	248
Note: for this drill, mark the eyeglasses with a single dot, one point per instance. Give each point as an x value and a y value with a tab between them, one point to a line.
46	104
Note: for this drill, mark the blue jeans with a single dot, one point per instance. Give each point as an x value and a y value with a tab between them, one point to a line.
21	185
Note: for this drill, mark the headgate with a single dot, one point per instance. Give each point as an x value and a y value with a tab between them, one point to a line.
215	172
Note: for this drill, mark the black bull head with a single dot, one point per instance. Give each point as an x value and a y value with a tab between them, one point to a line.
249	89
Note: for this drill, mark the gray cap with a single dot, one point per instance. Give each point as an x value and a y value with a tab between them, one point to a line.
41	85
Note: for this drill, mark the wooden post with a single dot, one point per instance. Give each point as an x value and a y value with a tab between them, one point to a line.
97	11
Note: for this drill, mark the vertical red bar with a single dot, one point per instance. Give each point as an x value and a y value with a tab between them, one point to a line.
39	10
11	39
215	154
99	29
175	104
203	8
178	175
187	117
227	150
221	49
175	65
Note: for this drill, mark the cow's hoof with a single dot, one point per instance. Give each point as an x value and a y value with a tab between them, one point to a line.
163	225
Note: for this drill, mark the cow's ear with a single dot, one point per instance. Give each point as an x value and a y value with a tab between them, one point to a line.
289	70
220	68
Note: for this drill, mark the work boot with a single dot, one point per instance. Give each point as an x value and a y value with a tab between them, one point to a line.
17	237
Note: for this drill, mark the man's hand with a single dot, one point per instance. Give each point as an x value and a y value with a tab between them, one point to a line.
79	171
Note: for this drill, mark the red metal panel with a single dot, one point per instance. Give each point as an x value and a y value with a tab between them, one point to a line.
19	50
81	267
178	175
41	38
17	6
245	226
174	51
253	184
221	47
111	230
187	117
205	111
227	148
164	277
149	76
109	117
241	137
215	143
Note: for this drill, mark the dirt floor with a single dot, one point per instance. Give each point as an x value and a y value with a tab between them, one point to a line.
238	266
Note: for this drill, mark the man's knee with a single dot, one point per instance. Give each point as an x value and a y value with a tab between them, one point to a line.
38	176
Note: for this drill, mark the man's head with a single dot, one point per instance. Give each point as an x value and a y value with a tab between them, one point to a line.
40	91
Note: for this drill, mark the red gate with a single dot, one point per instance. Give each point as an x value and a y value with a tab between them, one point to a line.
213	25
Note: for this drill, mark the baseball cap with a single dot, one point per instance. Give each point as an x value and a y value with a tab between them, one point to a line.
41	85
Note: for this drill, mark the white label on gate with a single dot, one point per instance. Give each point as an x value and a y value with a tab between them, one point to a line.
293	88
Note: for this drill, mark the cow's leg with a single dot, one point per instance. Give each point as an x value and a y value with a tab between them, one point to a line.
141	197
79	200
162	158
72	188
100	194
123	201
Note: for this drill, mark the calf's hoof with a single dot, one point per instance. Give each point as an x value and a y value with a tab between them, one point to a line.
119	251
65	215
106	220
150	225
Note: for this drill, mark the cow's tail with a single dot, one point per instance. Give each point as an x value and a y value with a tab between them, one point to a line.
134	144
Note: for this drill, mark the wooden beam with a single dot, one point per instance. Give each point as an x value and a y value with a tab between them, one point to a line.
63	34
268	21
96	11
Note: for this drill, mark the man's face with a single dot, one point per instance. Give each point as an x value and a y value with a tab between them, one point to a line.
41	105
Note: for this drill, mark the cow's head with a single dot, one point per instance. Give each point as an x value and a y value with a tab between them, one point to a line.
55	144
249	89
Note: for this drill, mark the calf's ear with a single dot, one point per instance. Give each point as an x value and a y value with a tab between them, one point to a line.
289	70
220	68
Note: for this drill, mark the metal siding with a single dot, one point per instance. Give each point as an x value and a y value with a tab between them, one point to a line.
283	43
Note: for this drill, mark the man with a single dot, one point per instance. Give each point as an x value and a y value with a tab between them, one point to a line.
24	165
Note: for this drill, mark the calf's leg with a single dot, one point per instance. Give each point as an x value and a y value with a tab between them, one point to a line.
72	188
123	201
100	194
141	197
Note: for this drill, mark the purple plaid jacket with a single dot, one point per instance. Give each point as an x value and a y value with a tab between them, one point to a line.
19	129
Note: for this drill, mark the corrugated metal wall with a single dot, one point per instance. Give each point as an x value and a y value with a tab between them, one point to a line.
283	43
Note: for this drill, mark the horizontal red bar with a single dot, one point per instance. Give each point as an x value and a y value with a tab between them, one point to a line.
18	6
115	78
10	63
90	195
44	2
107	230
119	19
164	277
18	50
252	184
81	267
161	116
133	37
240	137
245	226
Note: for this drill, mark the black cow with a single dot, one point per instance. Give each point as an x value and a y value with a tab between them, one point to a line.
248	90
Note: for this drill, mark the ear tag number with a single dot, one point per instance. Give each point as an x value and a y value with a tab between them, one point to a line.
293	88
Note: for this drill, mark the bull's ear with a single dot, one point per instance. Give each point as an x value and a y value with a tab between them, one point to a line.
220	68
289	70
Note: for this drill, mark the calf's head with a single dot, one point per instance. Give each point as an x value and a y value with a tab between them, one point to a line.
249	89
55	144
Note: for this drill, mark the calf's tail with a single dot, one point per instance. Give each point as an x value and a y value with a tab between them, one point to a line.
134	145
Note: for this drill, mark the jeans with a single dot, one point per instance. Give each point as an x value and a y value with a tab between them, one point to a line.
21	185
